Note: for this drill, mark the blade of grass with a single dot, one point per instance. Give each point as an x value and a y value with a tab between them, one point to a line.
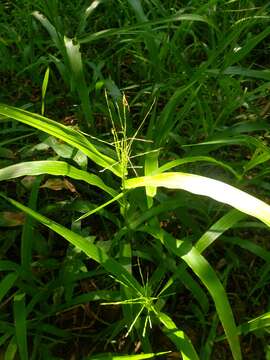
7	265
79	82
117	197
90	249
260	322
55	35
20	325
11	349
148	37
72	66
207	349
28	226
44	90
215	189
171	164
178	337
207	275
193	287
15	139
250	246
218	228
57	168
237	140
167	120
89	10
150	168
110	356
257	160
4	338
6	284
237	56
241	71
137	28
62	132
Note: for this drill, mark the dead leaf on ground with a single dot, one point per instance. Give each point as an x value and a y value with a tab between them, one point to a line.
58	184
8	218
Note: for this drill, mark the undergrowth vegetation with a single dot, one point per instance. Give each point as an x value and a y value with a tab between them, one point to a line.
134	169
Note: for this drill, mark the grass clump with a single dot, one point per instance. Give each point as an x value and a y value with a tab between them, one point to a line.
138	132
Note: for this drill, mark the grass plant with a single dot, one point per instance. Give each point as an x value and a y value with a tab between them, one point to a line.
154	170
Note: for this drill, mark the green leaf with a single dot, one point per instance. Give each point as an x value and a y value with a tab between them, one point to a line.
241	71
93	251
246	49
187	160
260	322
65	133
150	168
201	185
44	89
207	275
79	83
148	37
11	349
117	197
57	168
28	227
7	283
89	10
218	228
235	140
250	246
178	337
55	35
137	28
110	356
20	325
138	10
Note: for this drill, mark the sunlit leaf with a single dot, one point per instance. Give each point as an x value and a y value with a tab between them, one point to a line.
201	185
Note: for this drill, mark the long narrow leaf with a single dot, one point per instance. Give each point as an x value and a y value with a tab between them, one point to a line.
89	10
62	132
218	228
44	89
55	35
250	246
11	349
7	283
250	44
215	189
171	164
28	226
20	325
137	28
77	73
117	197
207	275
110	356
179	338
57	168
261	322
90	249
